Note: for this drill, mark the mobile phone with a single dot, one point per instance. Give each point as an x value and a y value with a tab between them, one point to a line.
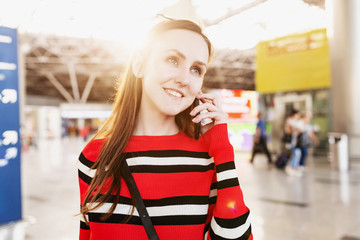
197	125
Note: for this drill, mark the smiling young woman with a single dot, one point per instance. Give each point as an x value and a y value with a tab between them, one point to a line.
189	187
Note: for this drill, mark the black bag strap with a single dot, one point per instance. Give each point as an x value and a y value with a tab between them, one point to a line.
140	206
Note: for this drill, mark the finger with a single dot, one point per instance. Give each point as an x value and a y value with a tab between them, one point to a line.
200	117
206	101
211	98
217	102
206	106
206	97
218	117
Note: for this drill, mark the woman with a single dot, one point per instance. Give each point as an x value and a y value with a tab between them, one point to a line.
260	140
152	128
293	128
307	137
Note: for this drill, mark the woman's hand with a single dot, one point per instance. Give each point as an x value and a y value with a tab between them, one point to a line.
211	103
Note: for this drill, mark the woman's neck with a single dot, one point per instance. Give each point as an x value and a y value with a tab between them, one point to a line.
155	123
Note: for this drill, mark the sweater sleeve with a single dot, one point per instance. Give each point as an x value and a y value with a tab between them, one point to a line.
84	180
84	233
228	214
86	159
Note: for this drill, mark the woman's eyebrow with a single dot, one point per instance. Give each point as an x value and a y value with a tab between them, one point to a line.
201	63
177	53
182	56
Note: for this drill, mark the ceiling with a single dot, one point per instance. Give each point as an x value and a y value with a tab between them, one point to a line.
83	70
68	66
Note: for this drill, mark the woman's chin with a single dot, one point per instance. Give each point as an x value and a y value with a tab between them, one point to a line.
173	111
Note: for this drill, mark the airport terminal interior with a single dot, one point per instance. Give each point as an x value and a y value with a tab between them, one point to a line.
59	68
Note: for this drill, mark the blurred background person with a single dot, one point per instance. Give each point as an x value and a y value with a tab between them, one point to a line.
306	138
84	132
260	140
293	128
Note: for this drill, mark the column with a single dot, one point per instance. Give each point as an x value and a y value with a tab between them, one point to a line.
344	36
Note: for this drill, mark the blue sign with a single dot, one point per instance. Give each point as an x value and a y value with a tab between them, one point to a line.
10	183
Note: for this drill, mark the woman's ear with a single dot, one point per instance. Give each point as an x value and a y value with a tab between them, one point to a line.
137	65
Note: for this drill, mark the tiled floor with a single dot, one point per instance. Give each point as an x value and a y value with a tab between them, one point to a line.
321	205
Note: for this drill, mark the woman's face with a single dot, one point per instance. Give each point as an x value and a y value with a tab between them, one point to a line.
173	72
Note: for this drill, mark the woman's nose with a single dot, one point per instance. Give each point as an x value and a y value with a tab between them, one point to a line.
183	77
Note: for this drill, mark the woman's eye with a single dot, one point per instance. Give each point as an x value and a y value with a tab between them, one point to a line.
172	60
196	70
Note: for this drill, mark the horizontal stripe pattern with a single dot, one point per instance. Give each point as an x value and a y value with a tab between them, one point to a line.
212	200
85	161
233	182
170	169
85	178
84	168
213	186
245	236
167	153
164	211
149	163
163	220
144	157
178	209
232	222
213	196
168	161
180	200
169	173
170	210
225	166
236	228
225	175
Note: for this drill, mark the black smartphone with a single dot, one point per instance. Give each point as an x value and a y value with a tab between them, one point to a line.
197	125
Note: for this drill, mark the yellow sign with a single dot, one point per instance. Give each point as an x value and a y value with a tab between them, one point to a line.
292	63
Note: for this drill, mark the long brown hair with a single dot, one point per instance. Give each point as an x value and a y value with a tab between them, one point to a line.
119	127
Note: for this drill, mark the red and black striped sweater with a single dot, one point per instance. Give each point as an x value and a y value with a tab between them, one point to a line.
190	189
